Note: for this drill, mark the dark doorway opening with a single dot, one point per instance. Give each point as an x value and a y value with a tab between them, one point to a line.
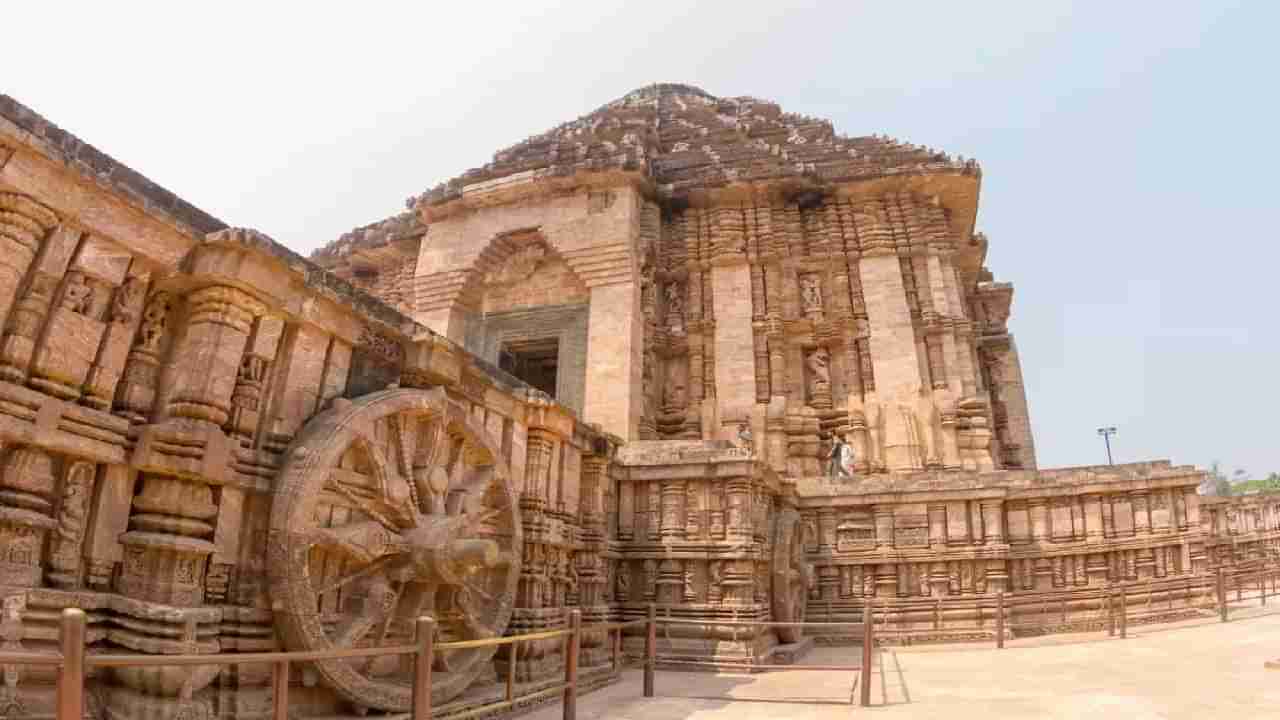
533	361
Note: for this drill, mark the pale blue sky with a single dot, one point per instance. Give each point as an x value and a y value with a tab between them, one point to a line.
1128	149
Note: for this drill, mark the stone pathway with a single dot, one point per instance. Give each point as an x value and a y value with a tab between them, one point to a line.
1200	670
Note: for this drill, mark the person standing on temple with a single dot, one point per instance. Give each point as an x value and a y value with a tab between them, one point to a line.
744	436
841	457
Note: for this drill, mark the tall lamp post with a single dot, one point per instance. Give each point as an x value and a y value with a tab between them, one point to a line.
1106	433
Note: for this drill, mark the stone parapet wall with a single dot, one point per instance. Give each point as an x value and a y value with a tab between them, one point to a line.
944	535
909	542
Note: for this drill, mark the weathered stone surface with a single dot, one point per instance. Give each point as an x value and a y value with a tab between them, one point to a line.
216	445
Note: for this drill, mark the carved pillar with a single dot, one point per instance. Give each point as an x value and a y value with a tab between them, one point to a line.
24	224
777	362
28	316
694	515
73	516
1038	509
993	521
673	517
1093	518
626	510
27	483
718	509
826	530
734	337
738	490
591	496
1141	512
111	519
540	445
246	398
122	327
217	331
136	394
937	525
884	525
168	542
653	510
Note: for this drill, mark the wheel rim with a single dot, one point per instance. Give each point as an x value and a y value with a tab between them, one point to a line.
390	507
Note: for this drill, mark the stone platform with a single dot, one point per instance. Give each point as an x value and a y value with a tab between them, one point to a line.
1064	676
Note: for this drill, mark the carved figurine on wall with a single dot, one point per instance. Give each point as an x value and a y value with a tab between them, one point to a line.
124	306
675	308
77	294
650	578
673	390
818	363
841	457
64	560
624	584
11	609
810	296
154	318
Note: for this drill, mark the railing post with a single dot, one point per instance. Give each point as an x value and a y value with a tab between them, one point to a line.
1222	595
1111	611
650	649
617	650
425	629
1000	620
571	666
1262	587
868	645
280	690
512	654
1124	613
937	614
71	676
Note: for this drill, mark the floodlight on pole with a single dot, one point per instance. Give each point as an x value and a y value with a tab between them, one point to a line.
1106	433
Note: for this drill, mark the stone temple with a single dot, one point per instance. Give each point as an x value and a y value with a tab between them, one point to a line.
607	369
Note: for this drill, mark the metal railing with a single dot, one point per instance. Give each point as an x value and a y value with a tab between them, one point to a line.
72	662
864	667
1002	615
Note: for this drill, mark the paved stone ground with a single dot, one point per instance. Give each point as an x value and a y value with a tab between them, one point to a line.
1199	669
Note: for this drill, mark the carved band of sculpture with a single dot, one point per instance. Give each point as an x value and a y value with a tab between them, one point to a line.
390	507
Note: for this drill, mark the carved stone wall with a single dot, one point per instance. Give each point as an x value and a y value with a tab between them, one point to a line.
169	387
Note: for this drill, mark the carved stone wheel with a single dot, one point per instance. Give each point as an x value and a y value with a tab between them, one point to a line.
791	574
390	507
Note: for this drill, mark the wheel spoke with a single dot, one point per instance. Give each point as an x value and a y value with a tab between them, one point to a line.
375	606
362	572
364	541
387	617
366	506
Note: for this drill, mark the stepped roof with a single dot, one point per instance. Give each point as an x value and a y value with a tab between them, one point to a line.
683	139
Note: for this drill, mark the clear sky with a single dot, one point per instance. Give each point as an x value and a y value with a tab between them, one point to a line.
1126	149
